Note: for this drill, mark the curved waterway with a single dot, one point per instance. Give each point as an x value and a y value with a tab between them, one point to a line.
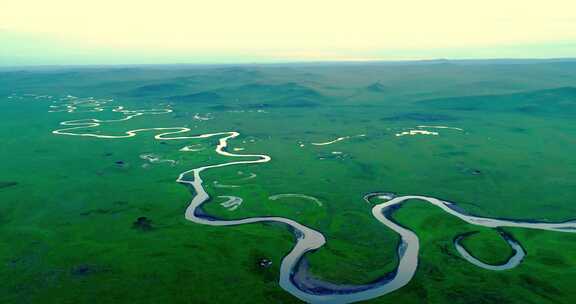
512	262
294	277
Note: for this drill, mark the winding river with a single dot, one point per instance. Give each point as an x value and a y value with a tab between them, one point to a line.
293	271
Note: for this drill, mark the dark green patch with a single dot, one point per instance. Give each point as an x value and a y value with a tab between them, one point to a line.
420	117
7	184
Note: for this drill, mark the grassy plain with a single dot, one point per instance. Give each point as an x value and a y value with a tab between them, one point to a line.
67	209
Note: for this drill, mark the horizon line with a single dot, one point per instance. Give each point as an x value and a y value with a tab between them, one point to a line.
296	62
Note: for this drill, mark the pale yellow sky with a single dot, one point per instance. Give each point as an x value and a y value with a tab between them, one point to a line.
306	29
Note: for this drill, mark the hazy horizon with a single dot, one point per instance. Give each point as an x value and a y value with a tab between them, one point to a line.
64	32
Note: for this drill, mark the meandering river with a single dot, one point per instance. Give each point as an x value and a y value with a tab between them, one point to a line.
293	273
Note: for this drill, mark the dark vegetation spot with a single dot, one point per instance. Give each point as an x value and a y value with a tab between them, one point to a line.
463	295
420	117
376	87
471	171
101	211
299	103
158	254
7	184
366	170
143	224
552	259
519	130
83	270
221	108
445	249
253	106
287	103
432	272
540	287
191	246
418	288
337	252
278	296
529	109
453	153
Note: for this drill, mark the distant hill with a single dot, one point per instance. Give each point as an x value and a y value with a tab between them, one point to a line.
289	89
277	95
201	97
559	100
255	95
153	90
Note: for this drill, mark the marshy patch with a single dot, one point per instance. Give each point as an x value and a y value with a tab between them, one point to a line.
143	224
519	130
221	108
83	270
475	172
333	155
261	264
462	295
450	154
433	272
420	117
551	258
376	87
539	287
103	211
472	171
264	263
8	184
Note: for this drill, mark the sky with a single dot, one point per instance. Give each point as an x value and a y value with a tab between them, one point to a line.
215	31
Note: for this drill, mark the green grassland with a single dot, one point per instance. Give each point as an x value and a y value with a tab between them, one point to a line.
67	209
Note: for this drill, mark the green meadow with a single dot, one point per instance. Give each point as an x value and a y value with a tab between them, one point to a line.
70	206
